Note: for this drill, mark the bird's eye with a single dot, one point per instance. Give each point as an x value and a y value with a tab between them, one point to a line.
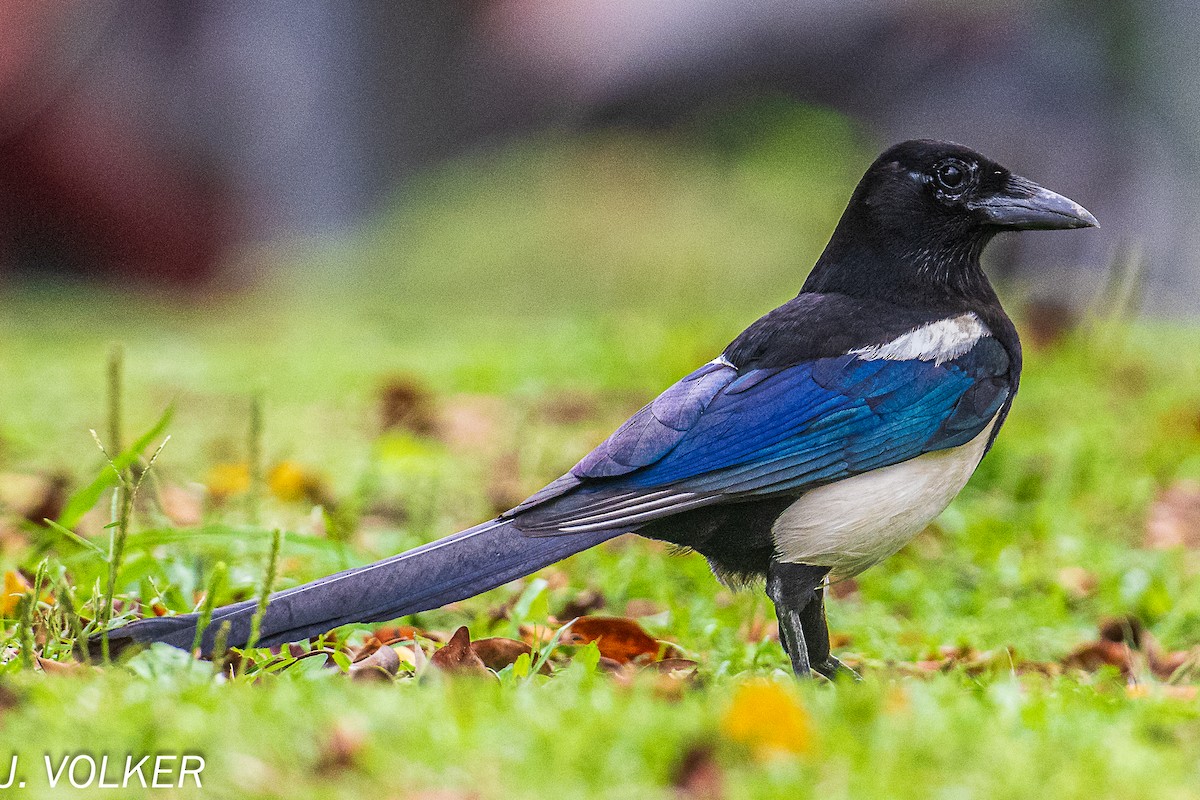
951	175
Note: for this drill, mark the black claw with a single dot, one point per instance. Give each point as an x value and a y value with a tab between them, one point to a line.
833	669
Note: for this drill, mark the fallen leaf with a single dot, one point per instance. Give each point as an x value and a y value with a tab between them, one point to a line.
582	604
381	665
699	776
767	718
618	638
457	657
1125	643
1094	655
340	751
682	668
1174	517
390	634
34	497
497	653
672	677
406	404
59	667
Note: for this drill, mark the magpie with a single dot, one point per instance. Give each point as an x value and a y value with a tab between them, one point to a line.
825	437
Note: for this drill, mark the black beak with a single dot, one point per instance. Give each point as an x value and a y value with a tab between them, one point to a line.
1023	205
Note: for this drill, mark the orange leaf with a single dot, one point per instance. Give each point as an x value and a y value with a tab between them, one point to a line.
618	638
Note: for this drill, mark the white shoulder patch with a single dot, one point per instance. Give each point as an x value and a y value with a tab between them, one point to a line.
944	340
721	360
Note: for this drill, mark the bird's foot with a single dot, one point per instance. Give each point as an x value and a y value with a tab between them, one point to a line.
833	669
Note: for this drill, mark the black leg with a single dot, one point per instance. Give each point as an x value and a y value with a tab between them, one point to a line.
816	635
793	588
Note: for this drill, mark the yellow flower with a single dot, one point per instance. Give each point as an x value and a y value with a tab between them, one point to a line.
292	482
768	718
16	587
226	480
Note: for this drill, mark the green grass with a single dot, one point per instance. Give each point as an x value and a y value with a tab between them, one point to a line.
536	328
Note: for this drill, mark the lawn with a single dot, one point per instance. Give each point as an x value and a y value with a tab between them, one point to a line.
483	346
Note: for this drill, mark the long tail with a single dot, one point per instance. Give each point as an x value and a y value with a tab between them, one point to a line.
459	566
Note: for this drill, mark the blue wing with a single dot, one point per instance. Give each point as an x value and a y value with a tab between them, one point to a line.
718	435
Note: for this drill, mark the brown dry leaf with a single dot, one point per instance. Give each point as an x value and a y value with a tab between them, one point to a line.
673	676
457	657
582	604
1103	653
381	665
497	653
1125	643
699	776
34	497
9	700
1174	518
364	650
768	718
619	638
340	751
59	667
405	403
680	668
390	634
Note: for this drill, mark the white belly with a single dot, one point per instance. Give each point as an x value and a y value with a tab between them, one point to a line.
855	523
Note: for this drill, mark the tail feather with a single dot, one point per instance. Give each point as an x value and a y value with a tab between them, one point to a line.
459	566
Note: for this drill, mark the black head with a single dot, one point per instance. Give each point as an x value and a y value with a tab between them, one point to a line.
922	214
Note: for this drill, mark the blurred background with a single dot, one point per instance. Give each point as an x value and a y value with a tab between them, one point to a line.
702	146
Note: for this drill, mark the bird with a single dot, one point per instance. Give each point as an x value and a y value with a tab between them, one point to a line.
818	443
